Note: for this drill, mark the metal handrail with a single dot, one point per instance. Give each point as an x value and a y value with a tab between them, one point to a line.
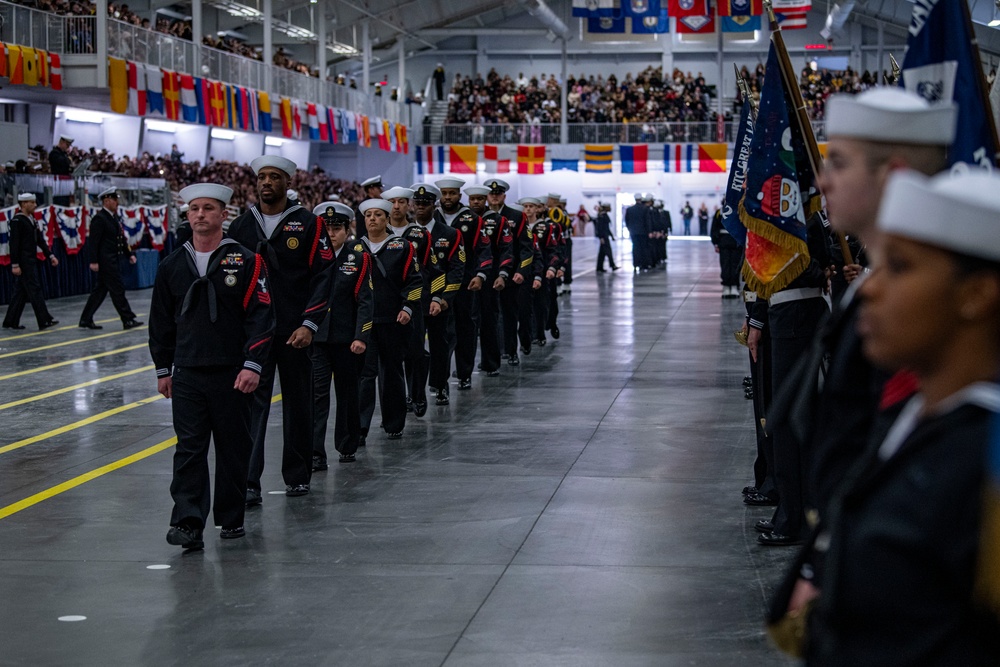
44	30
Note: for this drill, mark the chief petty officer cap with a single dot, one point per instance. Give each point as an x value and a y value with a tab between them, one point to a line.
957	213
555	195
529	200
110	192
210	190
374	180
380	204
474	190
334	213
890	114
424	192
276	161
453	183
65	137
397	193
497	186
26	196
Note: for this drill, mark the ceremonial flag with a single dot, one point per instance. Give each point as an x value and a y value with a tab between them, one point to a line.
136	89
737	177
189	99
652	25
640	9
172	94
313	122
324	126
43	67
696	25
634	158
790	21
403	142
772	206
530	159
740	7
679	158
117	83
463	159
55	71
791	6
712	158
940	64
740	23
681	8
605	25
264	121
497	158
154	91
598	157
286	117
586	8
203	110
29	60
430	160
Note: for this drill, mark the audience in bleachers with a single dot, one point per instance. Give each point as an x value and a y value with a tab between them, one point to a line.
816	85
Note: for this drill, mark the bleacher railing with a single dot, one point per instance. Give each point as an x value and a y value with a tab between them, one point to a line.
42	30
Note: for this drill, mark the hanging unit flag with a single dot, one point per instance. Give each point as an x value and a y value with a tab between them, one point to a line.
940	64
172	94
463	159
652	25
530	159
740	7
605	24
738	176
117	84
740	23
430	160
696	25
154	91
586	8
634	158
791	6
681	8
598	157
497	158
640	9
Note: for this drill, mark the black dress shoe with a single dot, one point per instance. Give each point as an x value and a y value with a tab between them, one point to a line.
253	498
441	398
464	384
614	268
46	325
233	533
540	342
363	441
492	374
525	351
89	325
601	271
759	499
409	405
296	490
319	463
764	526
420	408
348	458
773	539
132	324
394	436
185	537
17	327
749	489
513	361
555	332
505	356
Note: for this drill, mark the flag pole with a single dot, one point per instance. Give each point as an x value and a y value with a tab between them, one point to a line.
981	87
745	91
801	116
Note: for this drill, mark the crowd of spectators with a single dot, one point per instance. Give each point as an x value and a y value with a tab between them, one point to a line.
816	85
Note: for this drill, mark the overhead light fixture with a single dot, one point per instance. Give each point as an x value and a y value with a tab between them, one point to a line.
225	135
996	20
160	126
81	116
343	49
236	9
273	141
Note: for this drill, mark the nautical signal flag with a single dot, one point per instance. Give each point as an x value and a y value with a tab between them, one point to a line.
530	159
682	8
189	99
171	85
565	157
55	71
286	117
740	7
29	62
430	160
497	158
264	119
634	158
712	158
154	91
117	84
402	140
463	159
136	89
598	157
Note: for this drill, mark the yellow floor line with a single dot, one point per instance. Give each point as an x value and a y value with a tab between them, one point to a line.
65	328
91	383
77	424
69	362
76	341
51	492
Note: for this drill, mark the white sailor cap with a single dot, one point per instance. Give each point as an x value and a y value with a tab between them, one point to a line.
397	193
890	114
333	197
375	203
292	194
65	137
450	182
497	186
425	192
333	212
957	213
476	190
562	200
374	180
26	196
275	161
110	192
517	207
529	200
555	195
210	190
184	208
658	203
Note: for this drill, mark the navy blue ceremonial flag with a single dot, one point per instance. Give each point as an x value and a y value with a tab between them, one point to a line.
772	206
738	176
605	24
940	65
740	23
571	165
640	9
651	25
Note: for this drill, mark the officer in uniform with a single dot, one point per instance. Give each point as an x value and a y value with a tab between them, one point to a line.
515	303
339	345
59	162
548	240
372	188
107	244
415	362
663	229
602	230
25	236
446	244
211	325
478	267
296	251
556	208
398	287
637	221
497	230
730	257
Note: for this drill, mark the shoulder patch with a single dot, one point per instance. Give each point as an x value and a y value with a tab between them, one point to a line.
358	248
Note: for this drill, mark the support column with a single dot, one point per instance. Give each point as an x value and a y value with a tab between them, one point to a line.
667	61
401	45
720	91
880	43
564	104
268	48
366	59
196	35
101	26
321	41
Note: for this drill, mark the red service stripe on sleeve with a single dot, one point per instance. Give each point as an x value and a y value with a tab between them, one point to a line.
259	343
315	308
454	247
253	281
312	253
409	260
361	275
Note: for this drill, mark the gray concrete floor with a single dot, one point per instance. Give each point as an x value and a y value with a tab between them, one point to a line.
582	509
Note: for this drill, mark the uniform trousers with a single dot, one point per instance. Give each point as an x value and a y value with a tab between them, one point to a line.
336	359
568	278
27	288
384	363
640	250
207	408
489	336
542	301
605	251
441	341
516	302
760	376
466	307
295	371
416	359
730	261
107	280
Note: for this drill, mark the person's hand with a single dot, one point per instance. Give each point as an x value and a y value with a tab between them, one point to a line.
16	270
300	338
53	260
165	386
246	381
358	347
753	341
716	249
403	318
560	273
536	284
475	284
803	593
518	279
435	309
499	284
132	259
550	274
95	267
852	271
